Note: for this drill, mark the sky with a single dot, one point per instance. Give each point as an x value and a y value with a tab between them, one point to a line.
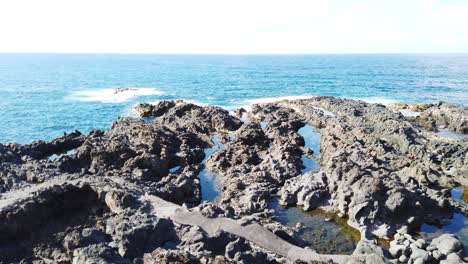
234	27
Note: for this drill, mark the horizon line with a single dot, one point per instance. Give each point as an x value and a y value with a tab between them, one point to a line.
233	54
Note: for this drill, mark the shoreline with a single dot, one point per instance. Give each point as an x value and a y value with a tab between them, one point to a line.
373	169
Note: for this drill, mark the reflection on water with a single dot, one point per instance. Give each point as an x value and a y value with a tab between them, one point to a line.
210	186
55	156
312	140
460	195
442	132
309	164
172	170
325	232
170	245
209	181
216	147
149	119
458	226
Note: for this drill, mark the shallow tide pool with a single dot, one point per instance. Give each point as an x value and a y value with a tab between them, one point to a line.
442	132
458	225
209	181
312	140
324	232
56	156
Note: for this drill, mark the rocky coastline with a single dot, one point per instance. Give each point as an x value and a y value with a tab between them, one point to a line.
132	194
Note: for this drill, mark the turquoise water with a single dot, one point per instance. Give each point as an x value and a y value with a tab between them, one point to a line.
43	95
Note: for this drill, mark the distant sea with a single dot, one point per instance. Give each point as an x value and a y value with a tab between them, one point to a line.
44	95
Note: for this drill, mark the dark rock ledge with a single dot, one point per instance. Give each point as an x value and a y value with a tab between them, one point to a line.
115	199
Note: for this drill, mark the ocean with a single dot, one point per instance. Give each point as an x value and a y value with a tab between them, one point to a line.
44	95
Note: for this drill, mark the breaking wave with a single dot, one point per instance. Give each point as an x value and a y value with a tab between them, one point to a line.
113	95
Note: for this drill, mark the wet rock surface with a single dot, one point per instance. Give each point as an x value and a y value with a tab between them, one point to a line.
378	169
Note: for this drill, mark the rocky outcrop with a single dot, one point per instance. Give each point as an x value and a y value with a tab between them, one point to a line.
131	194
451	117
150	110
375	166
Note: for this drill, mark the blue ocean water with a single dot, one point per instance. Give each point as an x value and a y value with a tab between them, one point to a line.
43	95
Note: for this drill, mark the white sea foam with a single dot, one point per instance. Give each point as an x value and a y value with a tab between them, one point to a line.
130	111
111	95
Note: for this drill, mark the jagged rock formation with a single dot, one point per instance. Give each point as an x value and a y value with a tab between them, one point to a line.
429	116
98	199
452	117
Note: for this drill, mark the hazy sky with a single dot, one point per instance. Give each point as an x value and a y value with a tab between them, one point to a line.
236	26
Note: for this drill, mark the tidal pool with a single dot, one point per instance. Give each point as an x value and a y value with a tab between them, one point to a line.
209	181
210	185
56	156
460	195
175	169
458	225
324	232
449	134
149	119
312	140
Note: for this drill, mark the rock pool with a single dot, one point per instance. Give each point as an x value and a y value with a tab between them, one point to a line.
56	156
458	224
442	132
324	232
209	181
312	140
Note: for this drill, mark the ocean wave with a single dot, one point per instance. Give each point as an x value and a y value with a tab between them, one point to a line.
113	95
